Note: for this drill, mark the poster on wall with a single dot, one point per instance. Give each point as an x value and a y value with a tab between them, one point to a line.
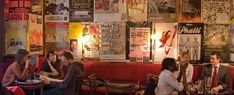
16	36
190	11
81	10
162	10
56	32
59	47
35	31
17	9
232	11
113	40
216	39
75	30
166	41
190	40
215	11
106	6
231	36
139	44
37	7
133	10
56	10
76	49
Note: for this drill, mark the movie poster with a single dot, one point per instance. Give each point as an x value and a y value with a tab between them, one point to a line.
231	35
35	30
190	40
215	11
91	41
17	9
113	40
190	11
139	44
56	10
106	6
166	41
133	10
37	7
81	10
216	39
16	36
162	10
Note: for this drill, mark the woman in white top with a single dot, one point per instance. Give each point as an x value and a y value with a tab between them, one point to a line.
167	80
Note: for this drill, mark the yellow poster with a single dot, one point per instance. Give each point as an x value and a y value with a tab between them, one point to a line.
75	30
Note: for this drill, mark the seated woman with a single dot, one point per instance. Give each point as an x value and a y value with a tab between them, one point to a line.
51	66
167	82
184	59
71	85
17	70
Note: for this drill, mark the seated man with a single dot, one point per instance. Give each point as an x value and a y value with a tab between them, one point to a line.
218	73
167	80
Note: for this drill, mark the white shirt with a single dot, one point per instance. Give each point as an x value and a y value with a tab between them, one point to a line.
189	73
167	83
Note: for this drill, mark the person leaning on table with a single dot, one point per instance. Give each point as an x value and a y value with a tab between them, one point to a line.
167	80
71	85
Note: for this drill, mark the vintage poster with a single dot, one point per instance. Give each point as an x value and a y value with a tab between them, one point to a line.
139	44
75	30
190	40
215	11
56	32
106	6
162	10
56	10
91	41
166	41
35	30
81	10
190	11
37	7
216	39
231	37
76	49
113	40
133	10
17	9
16	36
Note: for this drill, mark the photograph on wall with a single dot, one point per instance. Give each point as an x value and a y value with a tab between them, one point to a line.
216	39
81	10
231	36
190	11
139	44
56	10
134	10
215	12
17	9
113	40
166	41
35	30
106	6
37	7
16	36
190	40
56	32
162	10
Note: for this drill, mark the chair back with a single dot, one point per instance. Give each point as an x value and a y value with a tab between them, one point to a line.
152	81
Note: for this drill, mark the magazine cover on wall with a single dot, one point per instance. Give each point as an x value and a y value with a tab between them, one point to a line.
56	10
231	36
17	9
91	41
190	40
190	11
166	41
35	31
133	10
113	40
216	39
37	7
81	10
16	36
215	11
162	10
139	44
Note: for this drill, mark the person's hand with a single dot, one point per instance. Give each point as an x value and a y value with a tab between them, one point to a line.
27	63
182	68
45	80
216	89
